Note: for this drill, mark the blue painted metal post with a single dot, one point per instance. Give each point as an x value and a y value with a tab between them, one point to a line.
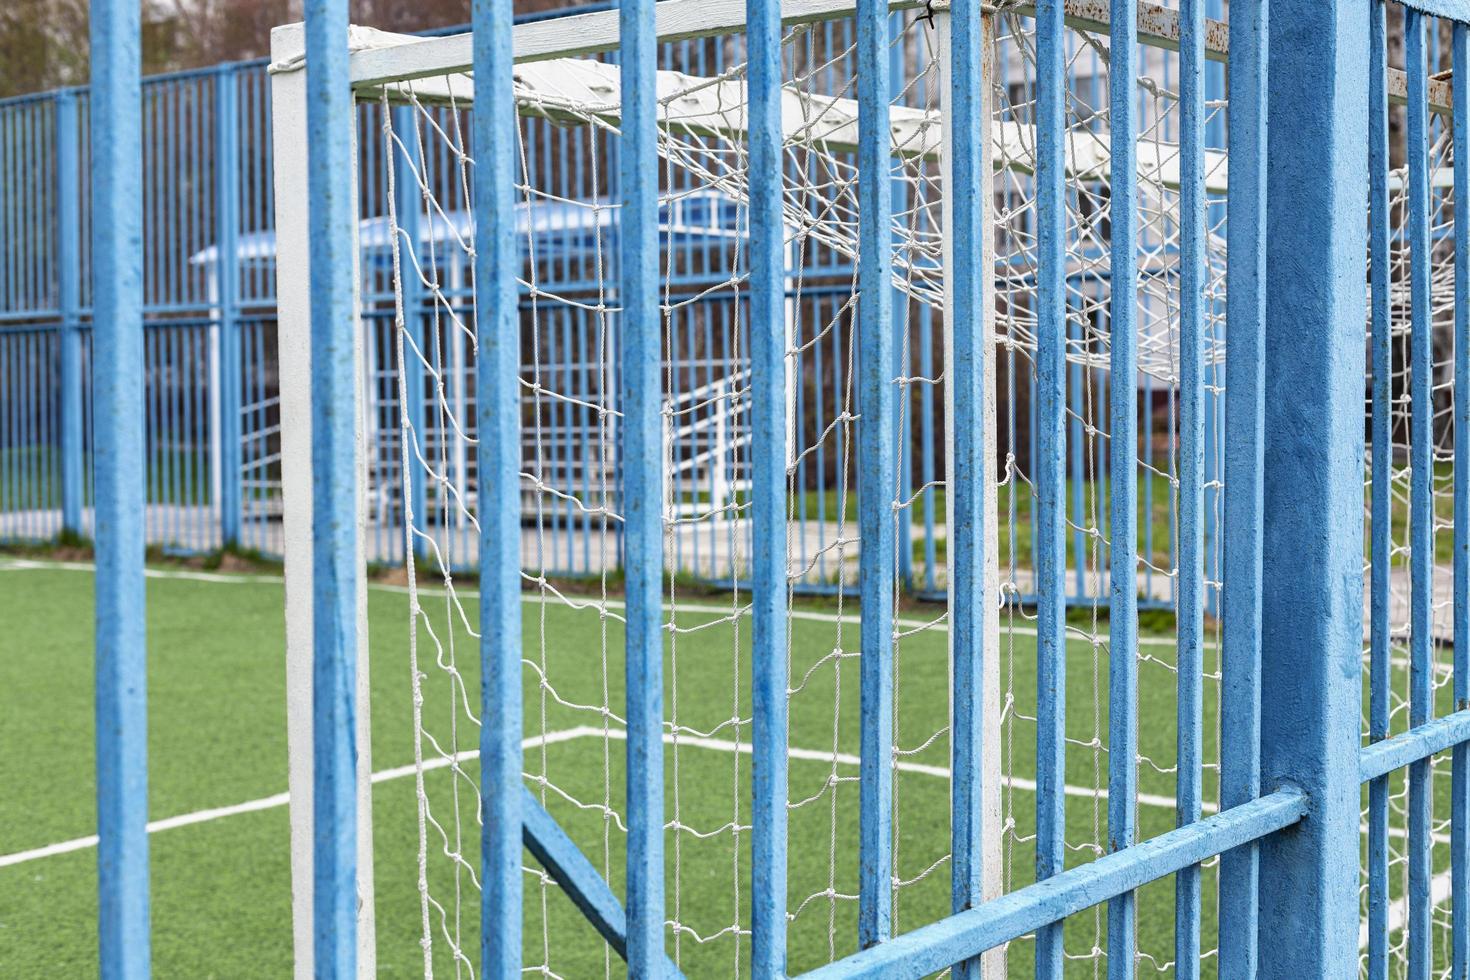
971	466
1379	669
902	394
1460	761
1051	468
641	371
122	664
408	209
1312	588
1244	442
877	474
1190	591
1213	495
1123	482
69	280
1216	137
1077	395
227	279
335	559
768	341
1421	491
498	460
927	467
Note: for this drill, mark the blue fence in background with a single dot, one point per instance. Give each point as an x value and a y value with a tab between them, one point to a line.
209	345
213	444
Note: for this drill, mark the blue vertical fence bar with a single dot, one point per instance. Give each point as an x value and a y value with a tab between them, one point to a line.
1123	476
1051	467
1190	586
1215	137
122	710
970	465
408	209
1079	462
227	284
498	462
877	473
902	313
1421	490
641	397
1244	437
334	489
1460	760
927	467
69	296
1381	501
769	427
1312	590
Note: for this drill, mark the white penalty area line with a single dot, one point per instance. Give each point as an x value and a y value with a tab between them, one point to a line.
550	738
276	800
1440	890
938	625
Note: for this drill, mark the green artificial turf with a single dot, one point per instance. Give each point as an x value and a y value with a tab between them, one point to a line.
221	888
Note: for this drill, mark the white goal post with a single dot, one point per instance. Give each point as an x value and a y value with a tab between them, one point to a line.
293	292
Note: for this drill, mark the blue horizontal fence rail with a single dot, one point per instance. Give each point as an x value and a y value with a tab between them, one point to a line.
931	948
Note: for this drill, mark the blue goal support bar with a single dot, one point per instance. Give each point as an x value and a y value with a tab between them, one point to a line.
498	458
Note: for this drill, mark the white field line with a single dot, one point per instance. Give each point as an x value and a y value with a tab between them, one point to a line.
273	801
848	759
154	826
535	741
226	578
30	565
229	578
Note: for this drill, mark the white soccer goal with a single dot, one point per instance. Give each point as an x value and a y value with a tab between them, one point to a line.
419	484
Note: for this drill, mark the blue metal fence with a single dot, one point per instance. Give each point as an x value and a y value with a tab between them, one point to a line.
209	303
208	340
1289	827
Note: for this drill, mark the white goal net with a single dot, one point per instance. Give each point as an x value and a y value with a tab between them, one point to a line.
418	262
416	234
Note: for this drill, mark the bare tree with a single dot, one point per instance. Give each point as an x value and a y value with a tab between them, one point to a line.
37	44
43	43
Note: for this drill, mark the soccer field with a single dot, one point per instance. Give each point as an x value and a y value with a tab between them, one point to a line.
221	876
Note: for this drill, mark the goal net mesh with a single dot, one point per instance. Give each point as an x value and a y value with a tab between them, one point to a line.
418	263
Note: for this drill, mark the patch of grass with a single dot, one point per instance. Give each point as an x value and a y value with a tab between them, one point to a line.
218	737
